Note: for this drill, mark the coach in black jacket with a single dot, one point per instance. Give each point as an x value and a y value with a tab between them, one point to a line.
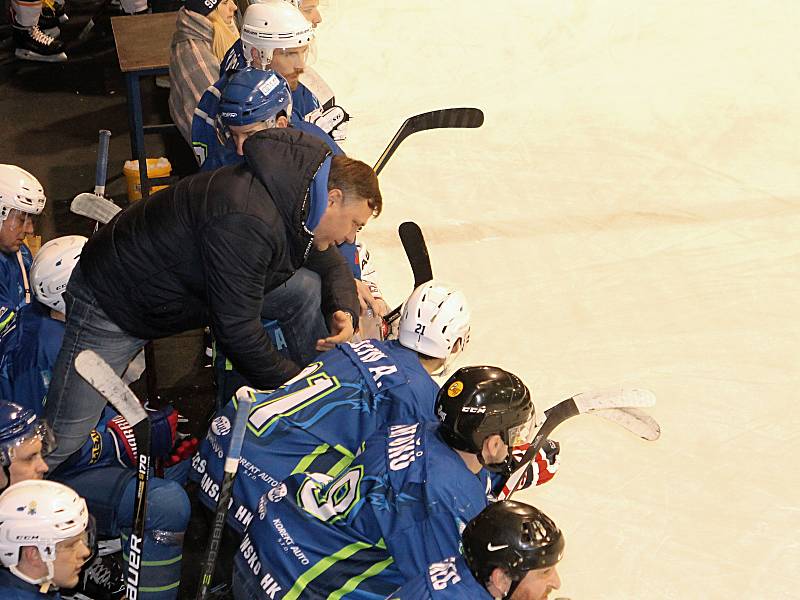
207	251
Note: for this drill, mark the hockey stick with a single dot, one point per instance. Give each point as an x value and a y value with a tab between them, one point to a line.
244	400
436	119
94	207
577	405
634	420
417	252
103	378
101	170
82	203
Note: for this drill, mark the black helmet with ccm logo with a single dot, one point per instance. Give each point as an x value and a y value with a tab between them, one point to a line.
477	402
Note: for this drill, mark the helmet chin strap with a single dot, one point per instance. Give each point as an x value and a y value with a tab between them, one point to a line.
43	582
512	588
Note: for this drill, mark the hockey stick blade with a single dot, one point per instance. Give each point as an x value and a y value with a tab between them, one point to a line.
579	404
244	401
635	420
461	118
94	207
103	378
417	253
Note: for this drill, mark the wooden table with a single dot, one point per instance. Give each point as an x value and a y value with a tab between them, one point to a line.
143	48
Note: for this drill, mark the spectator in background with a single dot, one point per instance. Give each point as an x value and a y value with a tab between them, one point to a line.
204	31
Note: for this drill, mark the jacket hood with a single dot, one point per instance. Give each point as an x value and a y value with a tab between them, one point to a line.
192	26
286	161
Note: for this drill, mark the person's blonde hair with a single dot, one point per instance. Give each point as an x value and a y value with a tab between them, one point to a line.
224	35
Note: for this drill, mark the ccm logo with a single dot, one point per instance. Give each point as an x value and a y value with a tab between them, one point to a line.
474	409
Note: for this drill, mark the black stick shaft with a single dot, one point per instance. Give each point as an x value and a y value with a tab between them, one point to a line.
244	402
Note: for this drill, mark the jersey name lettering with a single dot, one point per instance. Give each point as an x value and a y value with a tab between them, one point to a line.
444	573
403	444
367	353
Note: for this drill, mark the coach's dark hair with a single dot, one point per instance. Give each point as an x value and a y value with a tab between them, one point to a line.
354	177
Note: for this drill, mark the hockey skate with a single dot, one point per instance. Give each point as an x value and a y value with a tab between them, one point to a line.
33	44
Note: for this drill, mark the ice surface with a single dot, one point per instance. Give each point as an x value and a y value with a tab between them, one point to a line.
628	215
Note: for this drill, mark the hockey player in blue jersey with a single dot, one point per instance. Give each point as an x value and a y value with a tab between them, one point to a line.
400	505
511	551
319	420
21	200
102	469
25	440
274	37
26	381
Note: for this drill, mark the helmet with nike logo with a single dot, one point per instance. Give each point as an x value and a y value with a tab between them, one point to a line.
513	536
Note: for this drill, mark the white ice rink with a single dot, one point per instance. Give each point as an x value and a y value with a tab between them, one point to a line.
628	214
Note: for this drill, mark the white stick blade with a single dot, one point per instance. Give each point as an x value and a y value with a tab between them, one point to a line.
614	398
635	420
94	207
102	377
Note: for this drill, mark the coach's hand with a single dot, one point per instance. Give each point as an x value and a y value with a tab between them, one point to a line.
341	326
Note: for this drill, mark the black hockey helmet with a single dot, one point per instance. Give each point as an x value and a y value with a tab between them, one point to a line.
476	402
513	536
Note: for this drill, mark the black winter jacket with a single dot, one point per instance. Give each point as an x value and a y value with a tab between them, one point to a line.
207	249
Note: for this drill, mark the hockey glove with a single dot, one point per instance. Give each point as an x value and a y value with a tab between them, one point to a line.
332	121
543	466
163	434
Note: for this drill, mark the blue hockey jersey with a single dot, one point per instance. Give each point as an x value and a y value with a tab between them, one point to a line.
12	305
316	422
27	377
449	579
400	506
14	588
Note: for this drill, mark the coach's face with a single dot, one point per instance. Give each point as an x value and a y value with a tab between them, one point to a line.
343	219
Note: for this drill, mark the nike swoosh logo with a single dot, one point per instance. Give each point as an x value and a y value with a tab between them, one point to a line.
492	548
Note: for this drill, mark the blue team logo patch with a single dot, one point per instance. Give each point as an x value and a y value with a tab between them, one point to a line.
221	426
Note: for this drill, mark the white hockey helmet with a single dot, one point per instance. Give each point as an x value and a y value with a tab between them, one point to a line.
39	513
271	25
19	190
434	319
52	268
